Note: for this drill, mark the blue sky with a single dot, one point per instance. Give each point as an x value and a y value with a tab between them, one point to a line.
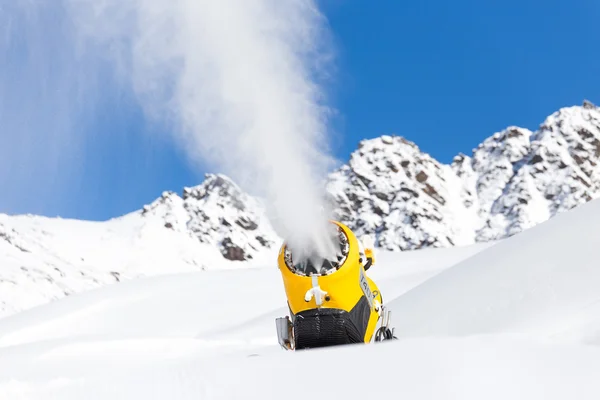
443	74
446	74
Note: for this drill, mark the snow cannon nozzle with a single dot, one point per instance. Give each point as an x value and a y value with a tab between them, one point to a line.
321	258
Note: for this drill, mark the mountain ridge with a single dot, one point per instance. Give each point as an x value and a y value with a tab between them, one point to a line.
391	189
513	180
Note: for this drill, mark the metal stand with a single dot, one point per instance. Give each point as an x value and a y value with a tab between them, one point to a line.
384	332
285	333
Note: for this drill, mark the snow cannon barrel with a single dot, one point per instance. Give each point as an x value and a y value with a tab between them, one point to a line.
331	299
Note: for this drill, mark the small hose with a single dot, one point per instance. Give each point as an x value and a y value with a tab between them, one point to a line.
383	333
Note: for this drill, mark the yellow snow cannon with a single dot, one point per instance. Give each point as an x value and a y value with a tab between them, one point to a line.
331	301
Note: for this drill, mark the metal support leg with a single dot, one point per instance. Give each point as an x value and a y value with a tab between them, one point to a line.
384	332
285	333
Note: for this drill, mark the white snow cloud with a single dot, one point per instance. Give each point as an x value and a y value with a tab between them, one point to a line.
237	82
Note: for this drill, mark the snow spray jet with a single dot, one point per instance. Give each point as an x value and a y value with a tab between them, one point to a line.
238	81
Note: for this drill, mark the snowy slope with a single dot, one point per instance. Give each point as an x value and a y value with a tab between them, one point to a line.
518	319
211	226
468	369
178	328
541	283
198	304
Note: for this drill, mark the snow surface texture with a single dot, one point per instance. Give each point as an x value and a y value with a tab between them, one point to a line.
518	319
389	190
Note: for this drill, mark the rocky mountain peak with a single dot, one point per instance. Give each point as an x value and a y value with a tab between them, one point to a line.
217	212
392	190
554	172
514	179
220	189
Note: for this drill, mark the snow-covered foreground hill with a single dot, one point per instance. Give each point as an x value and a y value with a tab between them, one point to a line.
519	319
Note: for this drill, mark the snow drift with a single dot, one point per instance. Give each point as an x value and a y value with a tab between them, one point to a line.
542	283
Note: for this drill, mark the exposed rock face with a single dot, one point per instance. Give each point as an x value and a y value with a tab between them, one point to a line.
400	195
553	169
219	213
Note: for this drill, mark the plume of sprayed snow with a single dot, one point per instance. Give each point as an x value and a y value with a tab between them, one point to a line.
236	81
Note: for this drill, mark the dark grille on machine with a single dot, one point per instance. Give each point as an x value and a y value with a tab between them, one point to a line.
326	327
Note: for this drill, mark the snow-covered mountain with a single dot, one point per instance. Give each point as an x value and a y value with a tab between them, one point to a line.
408	200
211	226
389	189
217	213
512	181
